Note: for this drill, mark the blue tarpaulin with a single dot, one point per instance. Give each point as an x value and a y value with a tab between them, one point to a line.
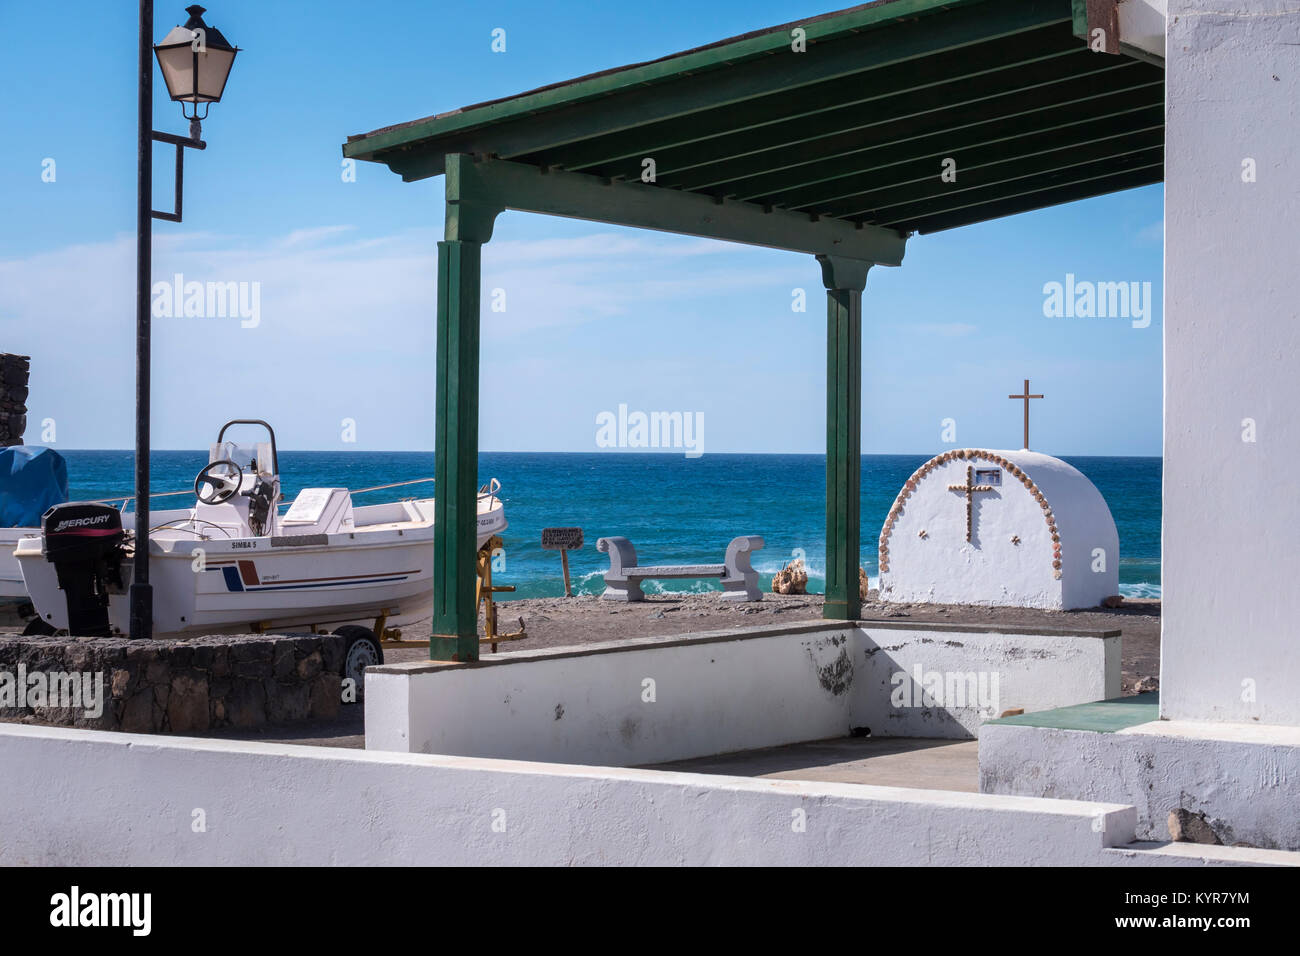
31	480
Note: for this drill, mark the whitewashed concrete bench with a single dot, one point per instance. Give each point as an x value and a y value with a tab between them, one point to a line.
624	577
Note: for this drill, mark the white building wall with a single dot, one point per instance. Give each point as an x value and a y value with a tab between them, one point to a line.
1230	648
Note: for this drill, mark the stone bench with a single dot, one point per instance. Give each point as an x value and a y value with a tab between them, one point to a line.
624	577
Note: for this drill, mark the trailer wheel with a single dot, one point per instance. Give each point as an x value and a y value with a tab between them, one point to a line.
39	627
360	650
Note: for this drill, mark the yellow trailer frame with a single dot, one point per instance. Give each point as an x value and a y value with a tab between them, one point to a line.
483	591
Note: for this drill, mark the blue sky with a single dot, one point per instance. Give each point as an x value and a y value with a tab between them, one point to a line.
595	316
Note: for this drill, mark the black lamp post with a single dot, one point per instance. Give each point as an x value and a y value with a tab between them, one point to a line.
195	60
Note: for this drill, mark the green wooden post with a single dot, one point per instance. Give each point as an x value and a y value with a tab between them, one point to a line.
455	614
844	280
455	527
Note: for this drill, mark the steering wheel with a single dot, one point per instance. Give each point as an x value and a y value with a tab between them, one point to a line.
223	485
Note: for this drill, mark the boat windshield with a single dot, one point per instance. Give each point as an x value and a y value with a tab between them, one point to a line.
242	454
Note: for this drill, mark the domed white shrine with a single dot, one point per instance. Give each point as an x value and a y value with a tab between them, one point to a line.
1014	528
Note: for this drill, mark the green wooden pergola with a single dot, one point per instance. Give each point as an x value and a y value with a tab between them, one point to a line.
828	136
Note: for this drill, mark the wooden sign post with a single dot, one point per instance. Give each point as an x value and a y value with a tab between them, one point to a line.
563	540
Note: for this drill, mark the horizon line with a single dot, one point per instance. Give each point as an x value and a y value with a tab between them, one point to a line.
671	452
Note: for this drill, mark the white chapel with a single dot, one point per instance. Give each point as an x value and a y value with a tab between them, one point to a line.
1014	528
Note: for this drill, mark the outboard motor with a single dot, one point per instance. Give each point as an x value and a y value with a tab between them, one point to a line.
84	543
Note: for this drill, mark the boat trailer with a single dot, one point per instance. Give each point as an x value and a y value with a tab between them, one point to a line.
484	590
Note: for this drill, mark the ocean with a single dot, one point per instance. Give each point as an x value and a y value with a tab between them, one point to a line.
674	509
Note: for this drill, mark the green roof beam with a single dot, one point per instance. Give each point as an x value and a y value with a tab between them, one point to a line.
1098	185
1109	153
477	191
1006	54
909	103
1087	144
746	156
1108	113
1019	186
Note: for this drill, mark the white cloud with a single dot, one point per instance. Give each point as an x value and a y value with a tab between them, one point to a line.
305	236
346	327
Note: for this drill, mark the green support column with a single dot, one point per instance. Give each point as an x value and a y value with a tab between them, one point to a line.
455	528
844	280
455	614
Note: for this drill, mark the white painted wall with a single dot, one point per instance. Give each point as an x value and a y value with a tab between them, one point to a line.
1033	671
94	798
712	694
1232	342
1242	777
993	568
82	798
723	692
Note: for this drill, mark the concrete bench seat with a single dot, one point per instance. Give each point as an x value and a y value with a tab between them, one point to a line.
680	570
624	577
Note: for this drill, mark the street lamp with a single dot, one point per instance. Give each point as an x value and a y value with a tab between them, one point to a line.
195	60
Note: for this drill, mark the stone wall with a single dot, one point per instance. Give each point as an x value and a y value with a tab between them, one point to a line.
14	370
179	686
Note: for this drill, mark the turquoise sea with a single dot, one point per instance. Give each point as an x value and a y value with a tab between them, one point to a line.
674	509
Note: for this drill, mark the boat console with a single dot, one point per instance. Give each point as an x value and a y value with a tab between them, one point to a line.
239	488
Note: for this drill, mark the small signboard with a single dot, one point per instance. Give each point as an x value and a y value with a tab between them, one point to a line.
561	539
989	476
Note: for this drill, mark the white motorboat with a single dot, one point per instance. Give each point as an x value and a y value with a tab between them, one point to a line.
234	564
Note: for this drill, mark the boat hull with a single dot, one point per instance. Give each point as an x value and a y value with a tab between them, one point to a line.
12	589
260	584
242	585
